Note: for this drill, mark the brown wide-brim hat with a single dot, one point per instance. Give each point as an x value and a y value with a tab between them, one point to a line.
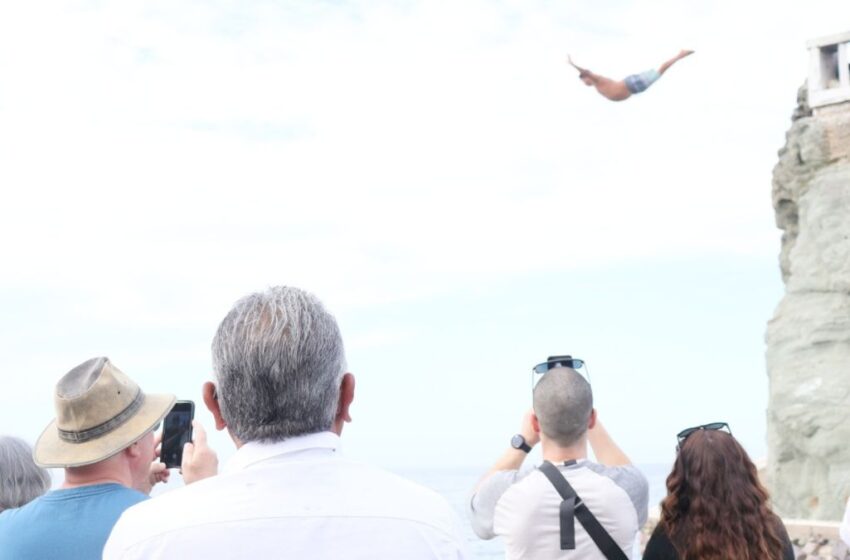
99	412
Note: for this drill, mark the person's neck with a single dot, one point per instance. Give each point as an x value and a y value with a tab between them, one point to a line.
555	453
335	429
98	473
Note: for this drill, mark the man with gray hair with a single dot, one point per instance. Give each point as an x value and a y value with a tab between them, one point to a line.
283	392
568	507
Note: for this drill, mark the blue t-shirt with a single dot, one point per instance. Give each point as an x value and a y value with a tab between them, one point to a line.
65	524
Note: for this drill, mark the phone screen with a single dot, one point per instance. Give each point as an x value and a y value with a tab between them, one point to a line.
176	432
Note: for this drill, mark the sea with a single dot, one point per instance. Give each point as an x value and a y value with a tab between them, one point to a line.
456	484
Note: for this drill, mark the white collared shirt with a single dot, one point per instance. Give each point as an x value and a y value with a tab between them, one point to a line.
294	499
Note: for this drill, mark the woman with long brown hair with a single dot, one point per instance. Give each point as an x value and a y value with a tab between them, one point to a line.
716	508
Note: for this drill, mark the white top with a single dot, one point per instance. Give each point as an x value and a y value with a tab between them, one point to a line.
844	530
295	499
523	509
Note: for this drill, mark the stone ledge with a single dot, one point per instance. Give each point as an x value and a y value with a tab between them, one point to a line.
806	528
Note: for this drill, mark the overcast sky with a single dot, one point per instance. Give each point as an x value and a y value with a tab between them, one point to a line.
434	172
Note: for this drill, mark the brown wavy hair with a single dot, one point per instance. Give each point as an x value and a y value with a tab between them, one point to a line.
716	508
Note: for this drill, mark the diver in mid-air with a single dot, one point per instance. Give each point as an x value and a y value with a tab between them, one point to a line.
618	90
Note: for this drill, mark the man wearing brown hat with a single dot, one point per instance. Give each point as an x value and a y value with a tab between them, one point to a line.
103	437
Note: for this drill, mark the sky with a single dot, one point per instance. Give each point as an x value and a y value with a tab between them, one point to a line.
434	172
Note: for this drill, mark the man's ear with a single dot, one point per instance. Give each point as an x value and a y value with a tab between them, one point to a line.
211	401
535	423
133	451
591	423
346	396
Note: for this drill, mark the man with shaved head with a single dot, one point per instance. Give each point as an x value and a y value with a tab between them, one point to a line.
569	507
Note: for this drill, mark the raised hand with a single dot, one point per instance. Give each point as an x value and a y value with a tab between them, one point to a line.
199	459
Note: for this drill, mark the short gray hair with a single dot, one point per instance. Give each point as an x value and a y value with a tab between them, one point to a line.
21	480
563	402
278	358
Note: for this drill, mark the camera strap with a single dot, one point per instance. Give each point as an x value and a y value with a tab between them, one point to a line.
572	508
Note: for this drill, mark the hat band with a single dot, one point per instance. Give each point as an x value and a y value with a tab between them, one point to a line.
97	431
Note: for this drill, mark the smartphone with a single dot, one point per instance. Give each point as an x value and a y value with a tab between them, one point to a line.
176	432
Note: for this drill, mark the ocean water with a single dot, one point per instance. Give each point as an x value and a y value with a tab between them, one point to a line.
456	486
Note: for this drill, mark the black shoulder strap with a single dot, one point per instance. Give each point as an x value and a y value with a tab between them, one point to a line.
568	505
573	506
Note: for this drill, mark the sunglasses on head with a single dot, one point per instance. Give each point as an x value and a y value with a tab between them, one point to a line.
713	426
553	362
558	361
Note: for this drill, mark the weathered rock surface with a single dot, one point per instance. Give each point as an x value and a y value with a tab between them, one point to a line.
808	339
811	540
820	549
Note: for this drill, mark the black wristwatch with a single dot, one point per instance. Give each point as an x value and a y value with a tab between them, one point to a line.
518	442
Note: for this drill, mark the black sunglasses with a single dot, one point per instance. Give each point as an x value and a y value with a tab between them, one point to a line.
714	426
558	361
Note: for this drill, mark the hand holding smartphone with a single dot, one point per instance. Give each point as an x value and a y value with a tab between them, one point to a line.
176	432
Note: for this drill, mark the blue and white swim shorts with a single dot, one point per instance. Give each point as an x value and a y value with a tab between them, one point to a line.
639	82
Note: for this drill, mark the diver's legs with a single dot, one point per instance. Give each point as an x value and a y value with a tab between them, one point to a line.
682	54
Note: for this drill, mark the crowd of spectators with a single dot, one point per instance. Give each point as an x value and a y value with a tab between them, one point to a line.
282	391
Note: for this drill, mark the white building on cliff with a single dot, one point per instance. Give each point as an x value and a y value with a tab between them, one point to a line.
829	70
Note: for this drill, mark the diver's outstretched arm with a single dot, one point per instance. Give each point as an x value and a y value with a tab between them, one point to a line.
573	64
615	90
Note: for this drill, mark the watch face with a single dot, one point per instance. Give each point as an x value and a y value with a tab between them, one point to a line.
517	441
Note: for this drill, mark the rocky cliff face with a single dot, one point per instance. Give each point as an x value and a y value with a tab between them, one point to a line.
808	339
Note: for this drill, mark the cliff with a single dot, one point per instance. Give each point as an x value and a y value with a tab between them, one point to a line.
808	338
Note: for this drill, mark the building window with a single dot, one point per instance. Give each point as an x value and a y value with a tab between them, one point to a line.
829	75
